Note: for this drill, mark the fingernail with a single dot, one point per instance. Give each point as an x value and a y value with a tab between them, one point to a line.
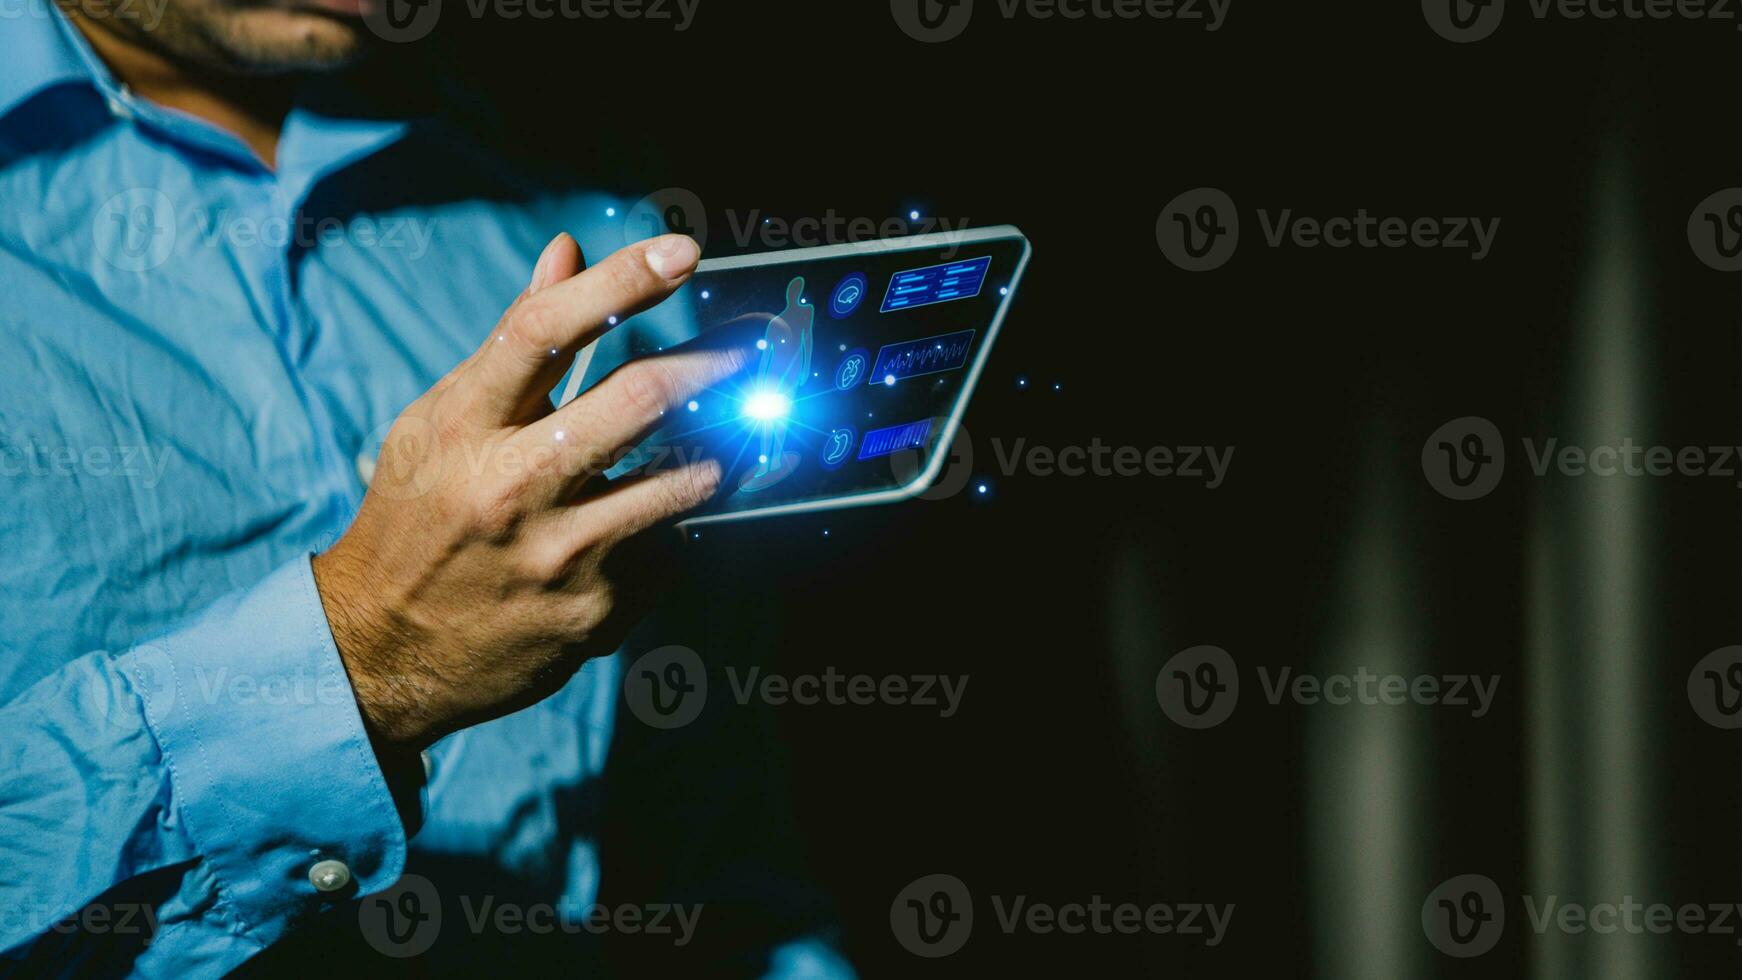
541	271
673	256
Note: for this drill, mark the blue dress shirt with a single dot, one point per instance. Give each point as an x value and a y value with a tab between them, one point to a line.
200	355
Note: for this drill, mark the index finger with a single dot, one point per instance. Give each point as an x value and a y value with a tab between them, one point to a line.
539	335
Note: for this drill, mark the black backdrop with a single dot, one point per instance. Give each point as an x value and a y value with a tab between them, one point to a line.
1326	369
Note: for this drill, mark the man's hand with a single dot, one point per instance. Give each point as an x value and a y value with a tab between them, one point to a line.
489	560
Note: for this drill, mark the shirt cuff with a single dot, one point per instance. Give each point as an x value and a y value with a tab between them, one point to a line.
270	765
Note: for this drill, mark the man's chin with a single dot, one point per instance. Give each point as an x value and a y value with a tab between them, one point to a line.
267	40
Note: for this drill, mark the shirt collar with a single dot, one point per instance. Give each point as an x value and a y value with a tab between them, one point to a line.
43	50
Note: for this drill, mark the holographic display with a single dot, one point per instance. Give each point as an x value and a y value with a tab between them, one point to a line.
816	420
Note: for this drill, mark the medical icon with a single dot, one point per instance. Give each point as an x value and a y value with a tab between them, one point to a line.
852	369
786	363
837	446
848	295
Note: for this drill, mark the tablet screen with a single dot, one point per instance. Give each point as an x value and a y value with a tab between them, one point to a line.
864	359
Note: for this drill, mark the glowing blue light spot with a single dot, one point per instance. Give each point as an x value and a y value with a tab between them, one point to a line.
1021	382
981	488
610	212
889	379
612	321
913	215
766	406
762	344
1056	387
706	294
695	406
762	458
825	532
1002	291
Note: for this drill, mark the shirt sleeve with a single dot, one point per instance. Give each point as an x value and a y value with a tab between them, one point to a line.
214	786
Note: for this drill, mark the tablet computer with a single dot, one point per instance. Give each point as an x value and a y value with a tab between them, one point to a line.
864	358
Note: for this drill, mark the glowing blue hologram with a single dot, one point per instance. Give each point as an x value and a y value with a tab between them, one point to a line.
852	369
928	355
848	294
837	446
783	370
882	442
768	405
936	284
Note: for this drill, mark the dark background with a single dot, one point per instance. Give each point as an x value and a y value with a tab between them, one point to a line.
1060	779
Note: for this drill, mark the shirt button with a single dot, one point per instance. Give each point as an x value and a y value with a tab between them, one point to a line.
329	876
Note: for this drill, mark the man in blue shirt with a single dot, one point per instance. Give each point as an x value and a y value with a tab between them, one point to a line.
228	270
